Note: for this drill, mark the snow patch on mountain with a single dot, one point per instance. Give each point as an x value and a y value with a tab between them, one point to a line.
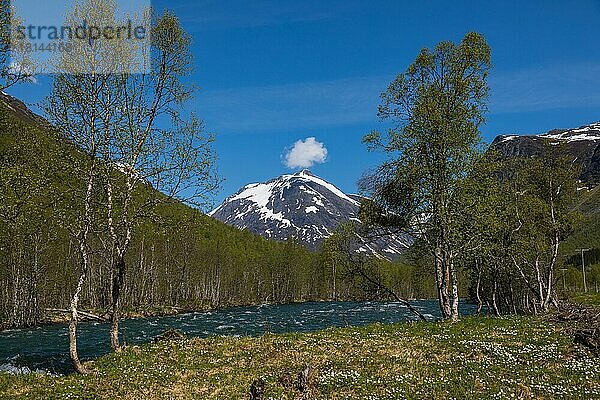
302	206
582	143
586	132
260	194
506	138
305	174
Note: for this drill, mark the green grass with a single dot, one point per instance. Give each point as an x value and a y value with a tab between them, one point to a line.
586	299
516	357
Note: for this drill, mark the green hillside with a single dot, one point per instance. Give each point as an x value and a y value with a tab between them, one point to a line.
587	234
181	258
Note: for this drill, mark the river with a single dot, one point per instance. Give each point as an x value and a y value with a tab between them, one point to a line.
45	348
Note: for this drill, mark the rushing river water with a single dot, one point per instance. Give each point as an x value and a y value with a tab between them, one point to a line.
46	348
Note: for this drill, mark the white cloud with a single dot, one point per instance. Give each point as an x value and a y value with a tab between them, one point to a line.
305	153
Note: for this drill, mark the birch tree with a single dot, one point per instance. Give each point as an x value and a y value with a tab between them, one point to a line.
543	201
436	108
81	106
155	147
126	116
523	209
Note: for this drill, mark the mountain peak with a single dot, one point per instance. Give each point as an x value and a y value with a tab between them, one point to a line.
302	206
589	132
304	172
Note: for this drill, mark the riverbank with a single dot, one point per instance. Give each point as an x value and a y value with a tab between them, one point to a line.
479	357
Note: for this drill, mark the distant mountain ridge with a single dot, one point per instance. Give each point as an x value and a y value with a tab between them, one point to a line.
302	206
582	142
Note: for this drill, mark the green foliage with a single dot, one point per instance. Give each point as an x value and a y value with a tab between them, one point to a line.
522	209
587	233
32	170
586	299
361	276
437	107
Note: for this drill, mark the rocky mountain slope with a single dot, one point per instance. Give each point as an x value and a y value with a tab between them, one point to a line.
582	142
302	206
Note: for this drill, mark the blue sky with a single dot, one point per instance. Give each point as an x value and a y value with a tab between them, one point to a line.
274	72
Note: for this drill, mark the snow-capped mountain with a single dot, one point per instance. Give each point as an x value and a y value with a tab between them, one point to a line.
583	143
302	206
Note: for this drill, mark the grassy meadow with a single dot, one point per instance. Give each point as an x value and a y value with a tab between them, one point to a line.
478	357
